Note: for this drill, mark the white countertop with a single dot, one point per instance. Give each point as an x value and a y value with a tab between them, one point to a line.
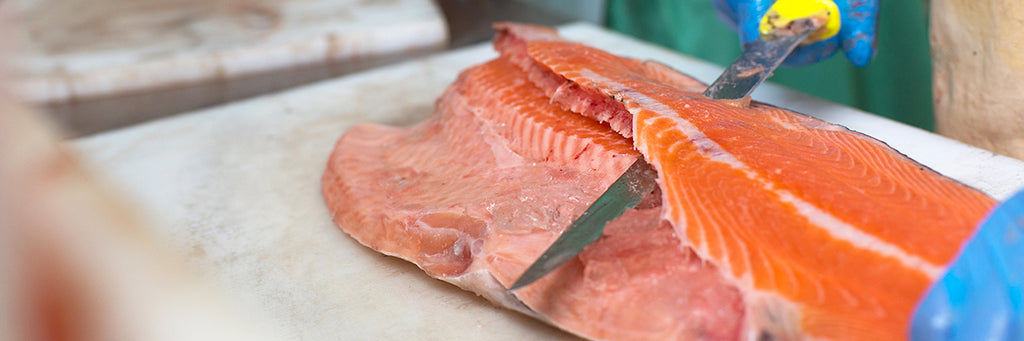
236	190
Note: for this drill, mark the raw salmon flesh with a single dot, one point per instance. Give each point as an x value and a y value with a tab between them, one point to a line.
768	224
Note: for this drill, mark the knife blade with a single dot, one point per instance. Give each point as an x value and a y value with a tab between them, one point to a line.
757	62
625	192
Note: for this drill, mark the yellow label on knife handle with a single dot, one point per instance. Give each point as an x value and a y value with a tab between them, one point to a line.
783	12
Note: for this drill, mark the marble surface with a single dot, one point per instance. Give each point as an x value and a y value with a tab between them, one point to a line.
236	190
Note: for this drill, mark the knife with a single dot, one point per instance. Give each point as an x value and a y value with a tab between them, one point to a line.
757	62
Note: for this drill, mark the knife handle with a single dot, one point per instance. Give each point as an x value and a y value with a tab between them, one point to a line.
784	12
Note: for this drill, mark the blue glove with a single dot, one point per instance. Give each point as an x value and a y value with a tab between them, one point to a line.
859	20
981	297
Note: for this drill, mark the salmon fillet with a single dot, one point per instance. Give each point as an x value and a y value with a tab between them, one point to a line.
827	230
477	192
767	224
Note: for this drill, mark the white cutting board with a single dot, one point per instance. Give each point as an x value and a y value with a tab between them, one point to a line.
81	49
236	189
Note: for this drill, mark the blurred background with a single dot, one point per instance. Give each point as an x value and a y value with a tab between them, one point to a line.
103	64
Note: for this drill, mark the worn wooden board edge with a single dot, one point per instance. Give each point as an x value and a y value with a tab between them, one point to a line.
237	188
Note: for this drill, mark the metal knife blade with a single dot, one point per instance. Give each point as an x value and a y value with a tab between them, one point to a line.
624	193
757	62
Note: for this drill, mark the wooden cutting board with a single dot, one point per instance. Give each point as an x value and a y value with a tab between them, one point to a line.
236	190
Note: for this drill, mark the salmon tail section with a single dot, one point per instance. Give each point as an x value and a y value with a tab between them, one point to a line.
828	232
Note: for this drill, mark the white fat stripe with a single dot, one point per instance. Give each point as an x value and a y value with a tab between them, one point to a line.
841	230
782	123
714	152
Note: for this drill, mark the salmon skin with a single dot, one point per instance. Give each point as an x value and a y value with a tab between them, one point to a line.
767	224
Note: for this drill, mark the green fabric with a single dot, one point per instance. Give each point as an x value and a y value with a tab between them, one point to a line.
897	83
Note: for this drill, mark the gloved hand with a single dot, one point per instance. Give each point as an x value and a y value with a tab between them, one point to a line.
981	297
856	35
